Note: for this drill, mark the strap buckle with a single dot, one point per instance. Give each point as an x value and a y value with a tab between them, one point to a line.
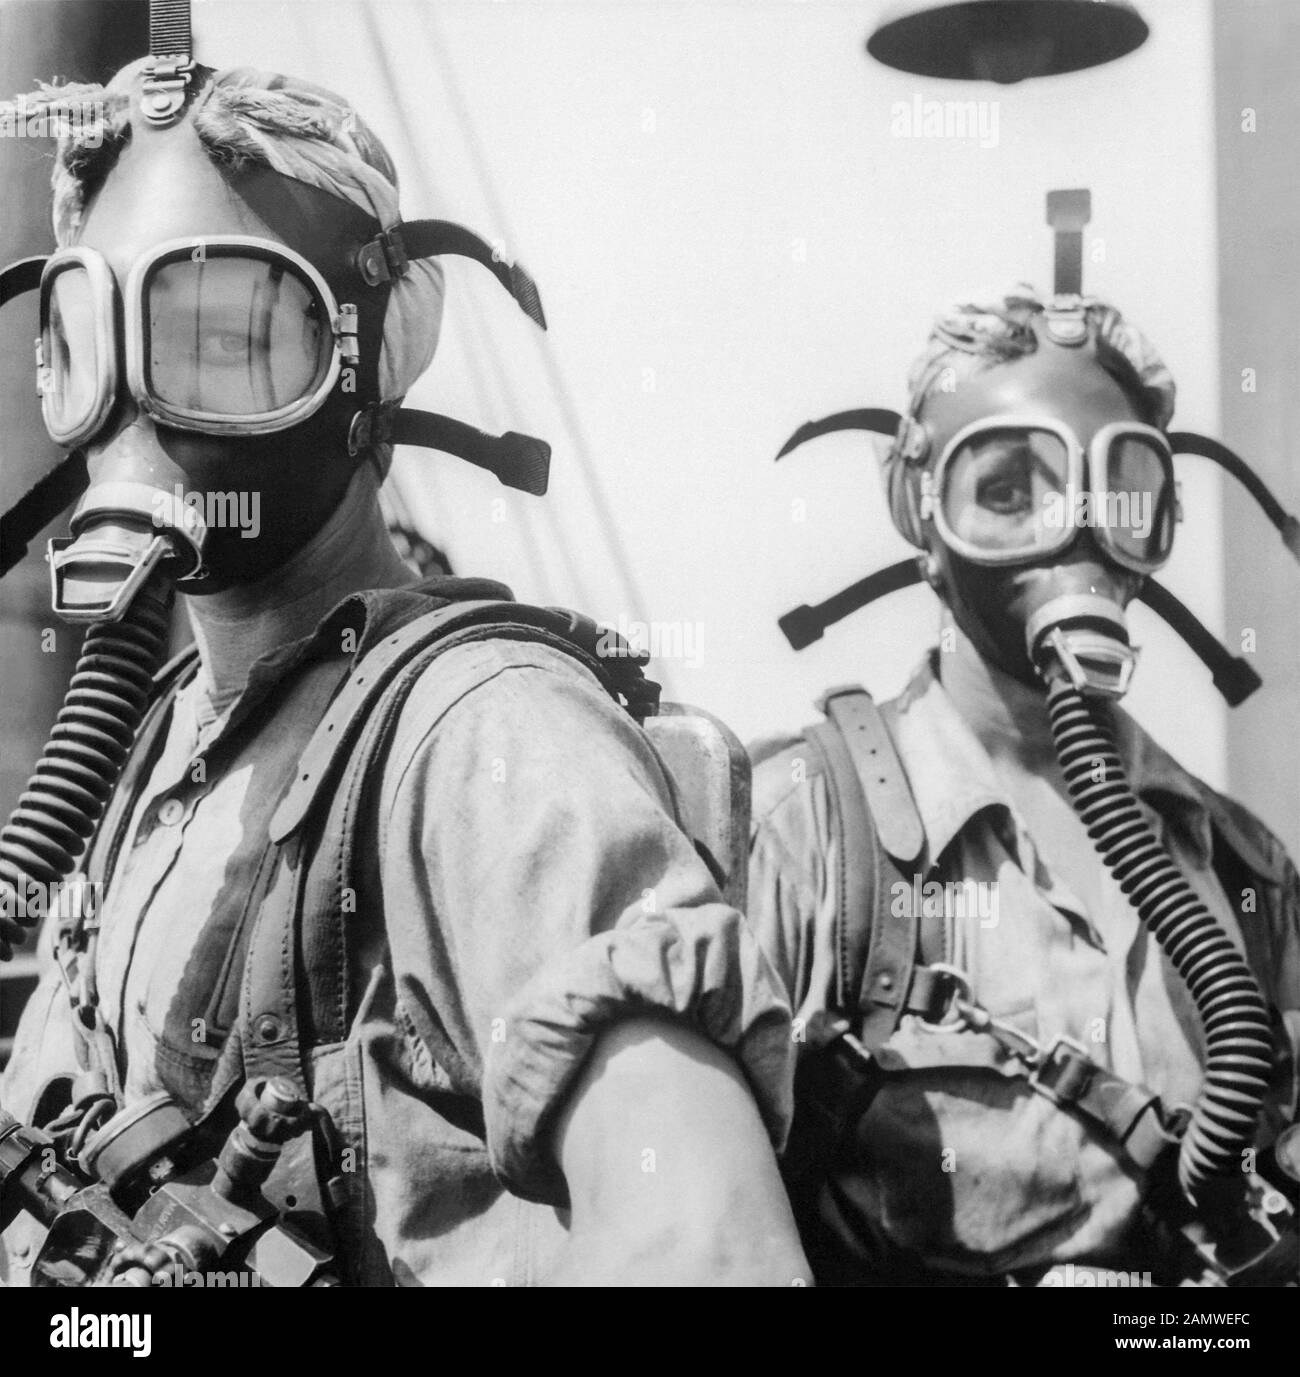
1065	319
383	258
166	80
1064	1071
937	994
372	425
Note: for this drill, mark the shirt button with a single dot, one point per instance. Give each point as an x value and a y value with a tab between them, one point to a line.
171	812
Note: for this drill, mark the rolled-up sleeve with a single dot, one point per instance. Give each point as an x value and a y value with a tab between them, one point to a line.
538	889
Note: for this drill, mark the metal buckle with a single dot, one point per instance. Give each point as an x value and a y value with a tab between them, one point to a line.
383	258
345	332
957	999
1053	1060
166	80
1065	318
912	440
373	425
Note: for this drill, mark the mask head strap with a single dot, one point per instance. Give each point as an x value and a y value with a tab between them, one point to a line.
20	277
875	419
389	253
169	73
522	462
1068	212
1188	442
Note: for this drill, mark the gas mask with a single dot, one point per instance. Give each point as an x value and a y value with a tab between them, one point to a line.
1040	517
1043	504
227	342
213	369
1041	521
234	336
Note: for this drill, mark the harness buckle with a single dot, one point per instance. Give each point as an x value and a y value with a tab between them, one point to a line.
1064	1071
945	991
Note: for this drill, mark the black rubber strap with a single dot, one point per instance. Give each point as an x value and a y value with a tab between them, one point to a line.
1068	212
169	28
38	506
804	624
872	418
22	276
1233	676
388	255
1189	442
520	461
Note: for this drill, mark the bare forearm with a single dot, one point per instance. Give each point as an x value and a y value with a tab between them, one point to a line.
671	1177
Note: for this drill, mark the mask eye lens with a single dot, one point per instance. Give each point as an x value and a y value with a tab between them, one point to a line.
1139	496
233	336
70	379
998	489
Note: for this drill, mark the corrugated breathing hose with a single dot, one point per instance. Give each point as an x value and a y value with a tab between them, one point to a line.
1234	1017
87	748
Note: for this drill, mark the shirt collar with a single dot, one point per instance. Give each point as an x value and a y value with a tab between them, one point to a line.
351	628
953	779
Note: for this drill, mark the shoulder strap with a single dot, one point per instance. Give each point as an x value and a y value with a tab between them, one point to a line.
295	993
617	667
879	832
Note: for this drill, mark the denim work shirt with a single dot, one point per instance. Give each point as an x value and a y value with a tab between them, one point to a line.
964	1169
535	888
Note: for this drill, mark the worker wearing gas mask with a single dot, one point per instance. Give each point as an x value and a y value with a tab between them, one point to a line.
537	1043
1047	984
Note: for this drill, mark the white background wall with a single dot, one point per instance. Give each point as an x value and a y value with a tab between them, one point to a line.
729	241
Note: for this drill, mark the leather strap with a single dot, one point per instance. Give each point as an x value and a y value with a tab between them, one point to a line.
338	729
268	1016
859	859
876	946
879	770
334	868
1128	1115
328	748
875	950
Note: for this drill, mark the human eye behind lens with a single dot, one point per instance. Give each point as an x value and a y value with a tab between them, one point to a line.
1003	484
223	344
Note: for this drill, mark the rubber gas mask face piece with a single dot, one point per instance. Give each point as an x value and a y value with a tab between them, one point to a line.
1044	513
232	335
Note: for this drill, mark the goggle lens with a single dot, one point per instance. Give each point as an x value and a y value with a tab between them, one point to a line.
1140	498
73	371
1002	490
233	336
